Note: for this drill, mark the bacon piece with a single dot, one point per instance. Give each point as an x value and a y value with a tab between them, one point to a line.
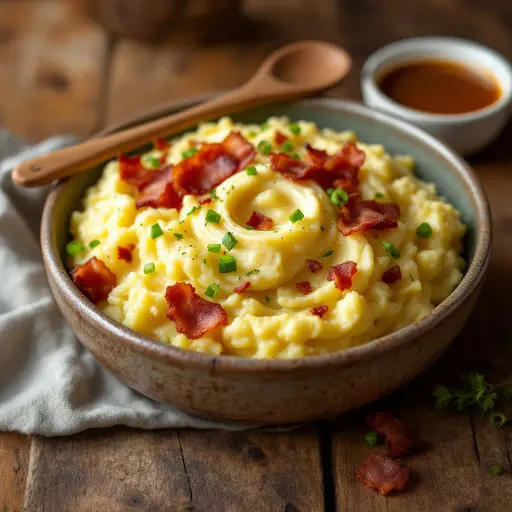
304	287
161	144
395	433
319	310
94	279
242	288
260	221
280	138
125	253
342	275
358	215
321	167
213	164
133	172
193	315
382	474
205	200
392	275
314	266
159	192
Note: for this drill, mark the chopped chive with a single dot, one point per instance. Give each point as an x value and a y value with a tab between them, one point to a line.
372	438
496	470
327	254
339	197
287	147
267	299
214	248
229	241
252	134
330	191
412	278
264	147
212	290
156	231
179	236
498	419
153	161
391	249
75	247
193	209
251	171
189	152
94	243
378	195
213	193
424	230
252	272
227	264
296	216
264	126
295	155
212	216
249	228
294	128
149	268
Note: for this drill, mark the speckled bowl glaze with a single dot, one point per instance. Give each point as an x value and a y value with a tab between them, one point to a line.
271	391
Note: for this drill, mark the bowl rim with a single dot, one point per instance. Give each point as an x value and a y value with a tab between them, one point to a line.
406	48
157	350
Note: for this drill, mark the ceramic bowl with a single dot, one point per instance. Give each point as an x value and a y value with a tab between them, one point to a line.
283	391
466	133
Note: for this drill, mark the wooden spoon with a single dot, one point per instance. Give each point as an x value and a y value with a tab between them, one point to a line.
295	70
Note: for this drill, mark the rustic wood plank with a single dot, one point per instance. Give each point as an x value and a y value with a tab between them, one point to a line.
114	470
229	472
14	457
51	67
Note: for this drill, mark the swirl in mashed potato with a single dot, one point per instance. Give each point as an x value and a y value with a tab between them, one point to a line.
272	319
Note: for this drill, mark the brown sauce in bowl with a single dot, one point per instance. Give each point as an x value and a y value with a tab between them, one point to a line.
440	87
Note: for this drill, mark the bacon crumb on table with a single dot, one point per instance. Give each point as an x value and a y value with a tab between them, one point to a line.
382	474
397	437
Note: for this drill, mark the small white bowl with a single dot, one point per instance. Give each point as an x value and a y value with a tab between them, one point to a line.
466	133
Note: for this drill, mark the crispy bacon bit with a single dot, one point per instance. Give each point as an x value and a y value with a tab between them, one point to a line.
382	474
242	288
159	192
395	433
304	287
125	253
392	275
280	138
342	275
319	310
358	215
193	315
260	221
94	279
133	172
324	169
213	164
205	200
161	144
314	266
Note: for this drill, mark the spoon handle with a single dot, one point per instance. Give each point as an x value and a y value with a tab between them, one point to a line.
69	161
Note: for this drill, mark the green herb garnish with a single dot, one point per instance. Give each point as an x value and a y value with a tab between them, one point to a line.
264	147
193	209
378	195
188	153
229	241
295	155
212	290
296	216
153	161
253	272
372	438
249	228
294	128
179	236
391	249
213	193
267	299
227	264
149	268
264	126
212	216
287	147
339	197
94	243
251	171
214	248
156	231
327	254
75	247
496	470
498	419
424	230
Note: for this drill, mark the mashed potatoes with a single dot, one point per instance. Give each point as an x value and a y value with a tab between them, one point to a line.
272	319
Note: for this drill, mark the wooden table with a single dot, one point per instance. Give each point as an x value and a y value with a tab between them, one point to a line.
60	73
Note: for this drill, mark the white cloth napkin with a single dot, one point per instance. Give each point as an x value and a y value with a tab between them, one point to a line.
49	383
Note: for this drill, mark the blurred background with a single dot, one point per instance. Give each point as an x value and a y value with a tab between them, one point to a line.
73	66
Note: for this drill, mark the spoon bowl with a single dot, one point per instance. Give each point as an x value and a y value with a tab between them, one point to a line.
295	70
